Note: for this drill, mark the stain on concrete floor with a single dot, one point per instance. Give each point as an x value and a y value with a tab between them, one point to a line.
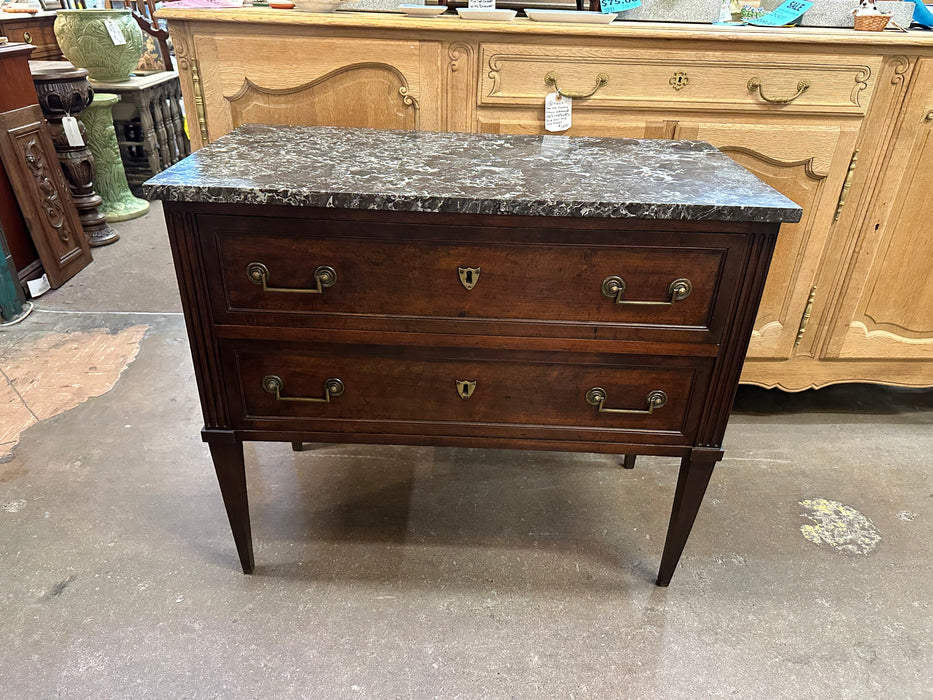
839	527
55	372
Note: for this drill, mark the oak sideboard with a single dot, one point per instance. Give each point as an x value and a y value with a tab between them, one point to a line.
841	122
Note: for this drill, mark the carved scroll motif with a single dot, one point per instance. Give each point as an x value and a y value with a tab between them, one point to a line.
901	66
861	83
51	204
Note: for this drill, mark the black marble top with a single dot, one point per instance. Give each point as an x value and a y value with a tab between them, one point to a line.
471	173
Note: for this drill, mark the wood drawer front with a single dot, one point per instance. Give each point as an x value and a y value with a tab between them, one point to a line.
385	387
39	33
388	277
515	75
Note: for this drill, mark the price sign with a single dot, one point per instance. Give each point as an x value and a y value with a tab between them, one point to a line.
482	4
788	13
618	5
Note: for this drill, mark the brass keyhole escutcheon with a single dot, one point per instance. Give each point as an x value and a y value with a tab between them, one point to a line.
679	80
465	388
469	276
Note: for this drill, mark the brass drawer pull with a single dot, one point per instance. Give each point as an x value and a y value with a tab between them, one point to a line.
551	79
755	84
27	37
614	287
333	387
257	273
597	396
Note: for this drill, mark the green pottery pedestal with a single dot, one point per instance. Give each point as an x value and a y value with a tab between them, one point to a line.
119	203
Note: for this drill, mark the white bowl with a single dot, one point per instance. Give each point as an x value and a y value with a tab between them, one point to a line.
423	10
316	5
570	16
496	15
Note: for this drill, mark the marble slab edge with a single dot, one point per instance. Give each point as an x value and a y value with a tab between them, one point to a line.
456	205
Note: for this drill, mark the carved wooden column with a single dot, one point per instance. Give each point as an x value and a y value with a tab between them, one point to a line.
63	92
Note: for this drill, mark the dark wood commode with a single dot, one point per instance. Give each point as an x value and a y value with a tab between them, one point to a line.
345	285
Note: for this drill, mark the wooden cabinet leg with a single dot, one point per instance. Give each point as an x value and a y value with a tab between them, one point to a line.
227	455
691	485
628	461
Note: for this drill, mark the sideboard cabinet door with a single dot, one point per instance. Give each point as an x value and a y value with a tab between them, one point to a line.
236	78
886	312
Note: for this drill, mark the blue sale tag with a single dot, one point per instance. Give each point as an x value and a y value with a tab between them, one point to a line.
922	15
788	13
618	5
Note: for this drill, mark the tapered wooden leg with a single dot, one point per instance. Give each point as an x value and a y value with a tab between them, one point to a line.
297	446
227	455
691	485
628	461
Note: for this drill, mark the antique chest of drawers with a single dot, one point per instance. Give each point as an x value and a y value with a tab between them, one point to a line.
348	285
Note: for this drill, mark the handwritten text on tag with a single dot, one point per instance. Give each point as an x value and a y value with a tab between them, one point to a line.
557	112
116	34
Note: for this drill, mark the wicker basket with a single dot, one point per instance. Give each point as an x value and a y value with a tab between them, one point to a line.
871	23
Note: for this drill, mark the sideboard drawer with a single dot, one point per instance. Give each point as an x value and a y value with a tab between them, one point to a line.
366	387
387	275
515	74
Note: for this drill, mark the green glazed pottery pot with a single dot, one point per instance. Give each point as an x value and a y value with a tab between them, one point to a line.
86	41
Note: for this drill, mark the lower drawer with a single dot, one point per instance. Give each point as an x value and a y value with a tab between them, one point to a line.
463	392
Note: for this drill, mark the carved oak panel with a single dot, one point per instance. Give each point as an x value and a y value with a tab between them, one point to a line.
29	158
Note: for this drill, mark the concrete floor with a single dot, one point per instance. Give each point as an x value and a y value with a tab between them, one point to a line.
387	572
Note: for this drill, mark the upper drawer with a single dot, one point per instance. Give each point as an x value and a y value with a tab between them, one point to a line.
383	273
515	74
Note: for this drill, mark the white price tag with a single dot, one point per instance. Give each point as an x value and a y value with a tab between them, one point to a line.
38	287
72	132
482	4
116	34
557	112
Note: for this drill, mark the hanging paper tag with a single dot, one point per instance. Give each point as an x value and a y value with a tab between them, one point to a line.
788	13
482	4
557	112
618	5
116	34
72	132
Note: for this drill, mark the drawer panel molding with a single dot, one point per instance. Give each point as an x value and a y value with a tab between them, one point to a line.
522	75
347	384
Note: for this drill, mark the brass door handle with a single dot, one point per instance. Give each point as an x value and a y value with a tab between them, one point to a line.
333	387
614	287
324	275
755	84
597	397
551	79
